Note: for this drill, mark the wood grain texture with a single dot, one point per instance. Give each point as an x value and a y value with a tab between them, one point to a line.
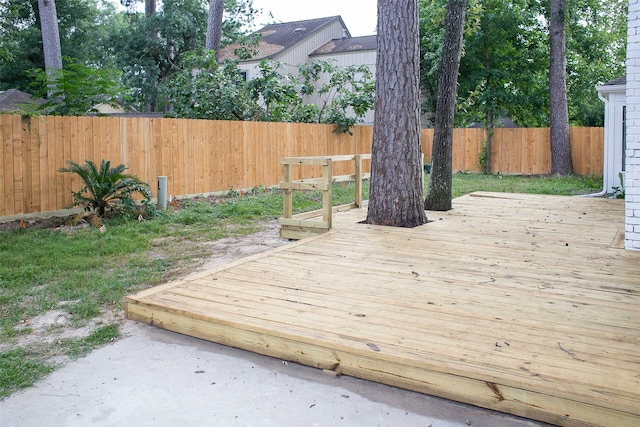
206	156
512	302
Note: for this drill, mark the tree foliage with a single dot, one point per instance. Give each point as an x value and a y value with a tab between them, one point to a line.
207	90
75	89
504	68
82	26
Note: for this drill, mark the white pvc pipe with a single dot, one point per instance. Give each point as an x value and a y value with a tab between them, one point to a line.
162	193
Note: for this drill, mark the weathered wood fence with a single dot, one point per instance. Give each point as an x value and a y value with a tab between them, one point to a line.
201	156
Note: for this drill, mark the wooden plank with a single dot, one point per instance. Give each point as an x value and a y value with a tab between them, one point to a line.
69	141
59	161
6	153
305	223
27	171
34	143
304	186
321	161
18	168
334	179
318	212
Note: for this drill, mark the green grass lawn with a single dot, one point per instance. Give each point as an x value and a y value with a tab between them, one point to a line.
85	273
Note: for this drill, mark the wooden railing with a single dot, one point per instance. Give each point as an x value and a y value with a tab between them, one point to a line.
299	226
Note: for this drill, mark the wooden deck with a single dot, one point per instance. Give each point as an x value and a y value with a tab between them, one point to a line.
519	303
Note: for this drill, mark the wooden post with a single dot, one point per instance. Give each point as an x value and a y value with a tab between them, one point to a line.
327	208
288	193
358	176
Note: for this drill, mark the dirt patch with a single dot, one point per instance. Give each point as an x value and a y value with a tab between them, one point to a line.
224	251
33	223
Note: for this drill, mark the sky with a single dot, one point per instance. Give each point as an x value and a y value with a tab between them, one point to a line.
358	15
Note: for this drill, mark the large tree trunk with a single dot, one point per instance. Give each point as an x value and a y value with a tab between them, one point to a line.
50	35
395	196
559	115
214	25
439	195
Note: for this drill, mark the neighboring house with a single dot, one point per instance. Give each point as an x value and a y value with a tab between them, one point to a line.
17	101
108	108
300	42
613	94
347	51
632	122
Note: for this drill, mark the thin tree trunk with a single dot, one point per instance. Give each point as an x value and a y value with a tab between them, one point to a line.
149	8
395	196
439	195
50	35
559	116
214	25
489	130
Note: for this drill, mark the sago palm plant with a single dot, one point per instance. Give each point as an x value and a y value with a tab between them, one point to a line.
106	187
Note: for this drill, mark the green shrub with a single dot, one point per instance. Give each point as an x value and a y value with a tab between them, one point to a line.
106	188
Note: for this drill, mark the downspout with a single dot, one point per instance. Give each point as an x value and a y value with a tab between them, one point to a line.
605	100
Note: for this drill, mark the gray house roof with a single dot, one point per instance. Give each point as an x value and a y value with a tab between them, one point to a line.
277	38
615	82
347	45
14	99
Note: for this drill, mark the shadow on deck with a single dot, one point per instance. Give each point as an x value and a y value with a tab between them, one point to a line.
518	303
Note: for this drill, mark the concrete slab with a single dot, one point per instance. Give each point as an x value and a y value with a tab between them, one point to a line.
158	378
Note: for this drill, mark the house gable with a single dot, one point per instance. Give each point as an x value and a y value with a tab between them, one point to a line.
278	39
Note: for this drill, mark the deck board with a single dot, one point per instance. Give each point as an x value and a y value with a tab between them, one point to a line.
520	303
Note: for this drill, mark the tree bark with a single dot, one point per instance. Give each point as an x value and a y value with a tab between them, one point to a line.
149	8
214	25
50	35
489	130
439	194
559	115
395	195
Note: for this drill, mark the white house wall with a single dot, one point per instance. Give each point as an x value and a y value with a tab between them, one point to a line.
632	175
615	100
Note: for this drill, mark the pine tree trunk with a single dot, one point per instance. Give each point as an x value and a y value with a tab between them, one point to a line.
395	196
50	35
214	25
559	116
439	195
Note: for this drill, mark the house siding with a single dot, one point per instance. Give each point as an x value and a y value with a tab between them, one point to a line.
300	54
632	174
367	58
